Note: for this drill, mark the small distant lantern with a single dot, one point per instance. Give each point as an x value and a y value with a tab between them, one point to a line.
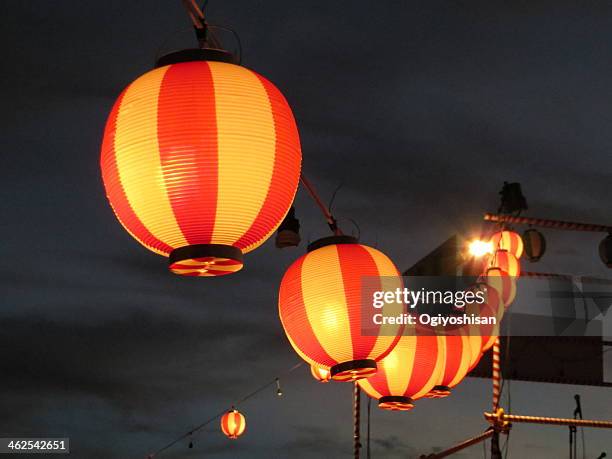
605	251
509	241
320	374
506	262
535	244
233	424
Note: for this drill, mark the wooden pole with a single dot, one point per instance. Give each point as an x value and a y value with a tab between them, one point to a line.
357	420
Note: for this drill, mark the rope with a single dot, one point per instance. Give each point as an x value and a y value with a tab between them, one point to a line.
221	413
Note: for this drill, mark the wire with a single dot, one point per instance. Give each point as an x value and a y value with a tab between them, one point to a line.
221	413
368	438
331	201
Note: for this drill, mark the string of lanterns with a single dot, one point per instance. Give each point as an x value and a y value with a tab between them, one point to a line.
175	164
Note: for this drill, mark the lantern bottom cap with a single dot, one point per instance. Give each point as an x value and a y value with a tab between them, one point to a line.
353	370
205	260
395	403
439	392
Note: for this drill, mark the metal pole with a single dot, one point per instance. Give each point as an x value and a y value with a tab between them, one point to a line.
546	223
356	418
465	444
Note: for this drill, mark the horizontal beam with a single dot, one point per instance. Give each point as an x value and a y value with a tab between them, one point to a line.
501	417
546	223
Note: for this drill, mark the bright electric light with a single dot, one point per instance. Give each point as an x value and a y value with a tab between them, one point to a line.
480	248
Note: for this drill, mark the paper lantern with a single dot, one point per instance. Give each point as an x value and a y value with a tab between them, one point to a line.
605	251
320	306
504	284
233	424
509	241
320	374
488	333
505	261
201	162
457	359
535	244
408	373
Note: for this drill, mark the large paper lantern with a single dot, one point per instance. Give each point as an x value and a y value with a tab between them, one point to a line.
504	260
509	241
233	424
408	373
320	306
457	360
201	162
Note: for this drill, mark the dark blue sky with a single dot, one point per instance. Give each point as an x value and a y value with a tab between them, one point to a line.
420	109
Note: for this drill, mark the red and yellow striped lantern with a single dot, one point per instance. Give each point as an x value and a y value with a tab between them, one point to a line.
408	373
201	161
504	260
504	284
457	360
321	301
321	374
509	241
233	424
483	336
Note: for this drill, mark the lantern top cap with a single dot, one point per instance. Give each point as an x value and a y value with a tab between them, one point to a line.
331	240
195	54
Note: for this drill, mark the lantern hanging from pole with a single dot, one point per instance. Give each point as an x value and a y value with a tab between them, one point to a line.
408	373
321	374
321	300
504	284
457	359
605	251
201	161
535	244
505	261
489	332
509	241
233	424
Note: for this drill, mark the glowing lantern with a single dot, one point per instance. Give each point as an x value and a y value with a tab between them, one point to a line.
488	333
233	424
320	374
408	373
321	301
505	261
509	241
504	284
201	161
535	244
457	360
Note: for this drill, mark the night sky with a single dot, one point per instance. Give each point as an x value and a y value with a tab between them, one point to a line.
419	109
